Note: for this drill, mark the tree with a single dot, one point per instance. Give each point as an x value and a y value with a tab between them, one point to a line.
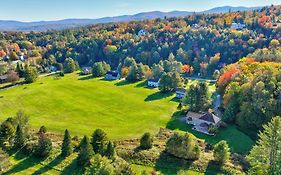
110	152
4	161
146	141
183	146
98	141
20	139
44	146
169	82
221	152
197	97
7	132
14	56
136	73
100	69
69	65
30	74
20	69
86	152
157	71
265	156
42	129
66	148
100	166
13	76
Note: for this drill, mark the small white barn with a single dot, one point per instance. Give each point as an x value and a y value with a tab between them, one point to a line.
180	92
237	26
141	33
112	75
153	83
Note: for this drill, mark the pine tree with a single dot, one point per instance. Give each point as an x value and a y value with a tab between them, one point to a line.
44	147
221	152
146	141
66	148
19	138
110	152
265	157
86	152
99	140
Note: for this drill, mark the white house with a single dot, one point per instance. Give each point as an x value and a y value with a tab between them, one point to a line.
237	26
112	75
180	92
202	121
141	33
154	83
86	70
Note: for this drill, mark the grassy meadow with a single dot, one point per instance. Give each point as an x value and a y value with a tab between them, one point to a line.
82	104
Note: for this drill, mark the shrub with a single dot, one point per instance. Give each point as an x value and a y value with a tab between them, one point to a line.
146	141
183	146
221	152
44	146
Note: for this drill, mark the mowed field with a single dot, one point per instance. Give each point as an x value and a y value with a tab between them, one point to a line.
83	104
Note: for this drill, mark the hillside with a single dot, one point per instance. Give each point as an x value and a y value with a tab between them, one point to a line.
8	25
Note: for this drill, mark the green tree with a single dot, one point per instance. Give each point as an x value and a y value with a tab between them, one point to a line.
100	166
110	151
100	69
7	132
20	138
136	73
265	156
44	146
30	74
169	81
146	141
66	148
197	97
183	146
20	69
221	152
69	65
98	141
86	152
42	129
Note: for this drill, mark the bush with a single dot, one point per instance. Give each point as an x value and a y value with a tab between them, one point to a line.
213	130
44	147
183	146
221	152
146	141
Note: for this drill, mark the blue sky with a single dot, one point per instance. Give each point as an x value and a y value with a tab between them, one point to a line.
37	10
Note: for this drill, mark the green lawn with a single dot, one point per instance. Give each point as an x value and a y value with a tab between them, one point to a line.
237	140
82	104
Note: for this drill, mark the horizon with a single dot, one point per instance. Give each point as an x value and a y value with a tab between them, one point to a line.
39	11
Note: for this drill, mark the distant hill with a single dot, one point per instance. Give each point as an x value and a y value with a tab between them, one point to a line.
6	25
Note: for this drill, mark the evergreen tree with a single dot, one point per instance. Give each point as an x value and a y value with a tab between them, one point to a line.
265	156
85	153
221	152
19	69
30	74
98	141
19	138
66	148
44	147
146	141
110	152
7	132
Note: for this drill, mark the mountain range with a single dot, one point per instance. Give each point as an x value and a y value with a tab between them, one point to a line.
9	25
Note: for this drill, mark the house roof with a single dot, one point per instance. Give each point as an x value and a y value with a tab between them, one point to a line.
180	90
113	73
209	117
3	77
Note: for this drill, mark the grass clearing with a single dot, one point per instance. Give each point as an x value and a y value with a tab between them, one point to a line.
82	104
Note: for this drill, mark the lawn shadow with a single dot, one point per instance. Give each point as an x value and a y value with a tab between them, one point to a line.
49	166
72	168
142	84
122	83
213	168
158	96
168	164
86	77
23	165
175	99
